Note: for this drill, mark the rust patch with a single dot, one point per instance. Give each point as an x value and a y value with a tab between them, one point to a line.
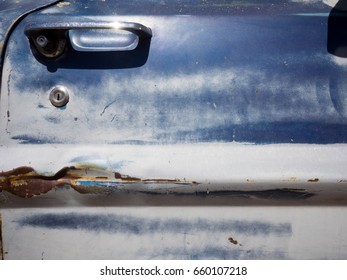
126	178
315	180
25	182
233	241
17	171
1	243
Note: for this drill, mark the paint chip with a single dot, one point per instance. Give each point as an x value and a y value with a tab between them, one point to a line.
315	180
233	241
63	4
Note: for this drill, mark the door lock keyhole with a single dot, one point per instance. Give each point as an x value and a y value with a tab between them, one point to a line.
59	96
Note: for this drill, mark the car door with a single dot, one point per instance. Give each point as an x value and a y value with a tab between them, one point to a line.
176	103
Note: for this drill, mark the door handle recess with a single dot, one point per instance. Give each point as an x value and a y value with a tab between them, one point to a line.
50	38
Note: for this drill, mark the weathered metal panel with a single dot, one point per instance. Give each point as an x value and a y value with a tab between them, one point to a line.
228	104
226	76
176	233
220	75
304	174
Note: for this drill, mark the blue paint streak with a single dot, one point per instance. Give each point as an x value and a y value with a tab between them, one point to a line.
255	42
115	184
28	139
219	253
140	226
265	133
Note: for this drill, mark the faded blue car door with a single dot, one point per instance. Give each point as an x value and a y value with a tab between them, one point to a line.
176	103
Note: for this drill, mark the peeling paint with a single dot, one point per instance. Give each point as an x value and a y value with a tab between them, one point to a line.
89	179
25	182
63	4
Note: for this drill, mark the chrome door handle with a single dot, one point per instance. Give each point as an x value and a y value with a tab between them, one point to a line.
50	38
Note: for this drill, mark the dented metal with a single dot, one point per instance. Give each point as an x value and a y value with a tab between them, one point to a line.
91	179
25	182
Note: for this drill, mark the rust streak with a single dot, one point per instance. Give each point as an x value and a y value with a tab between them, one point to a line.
126	178
315	180
17	171
25	182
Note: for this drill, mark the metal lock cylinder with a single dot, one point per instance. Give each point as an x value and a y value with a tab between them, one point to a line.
59	96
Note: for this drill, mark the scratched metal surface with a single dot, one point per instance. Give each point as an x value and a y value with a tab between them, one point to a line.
218	100
220	110
222	75
175	233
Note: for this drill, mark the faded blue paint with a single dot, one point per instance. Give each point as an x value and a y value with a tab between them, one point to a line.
114	185
192	7
140	226
27	139
254	73
277	88
216	247
219	253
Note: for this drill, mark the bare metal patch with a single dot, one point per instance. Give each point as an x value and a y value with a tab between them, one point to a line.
63	4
